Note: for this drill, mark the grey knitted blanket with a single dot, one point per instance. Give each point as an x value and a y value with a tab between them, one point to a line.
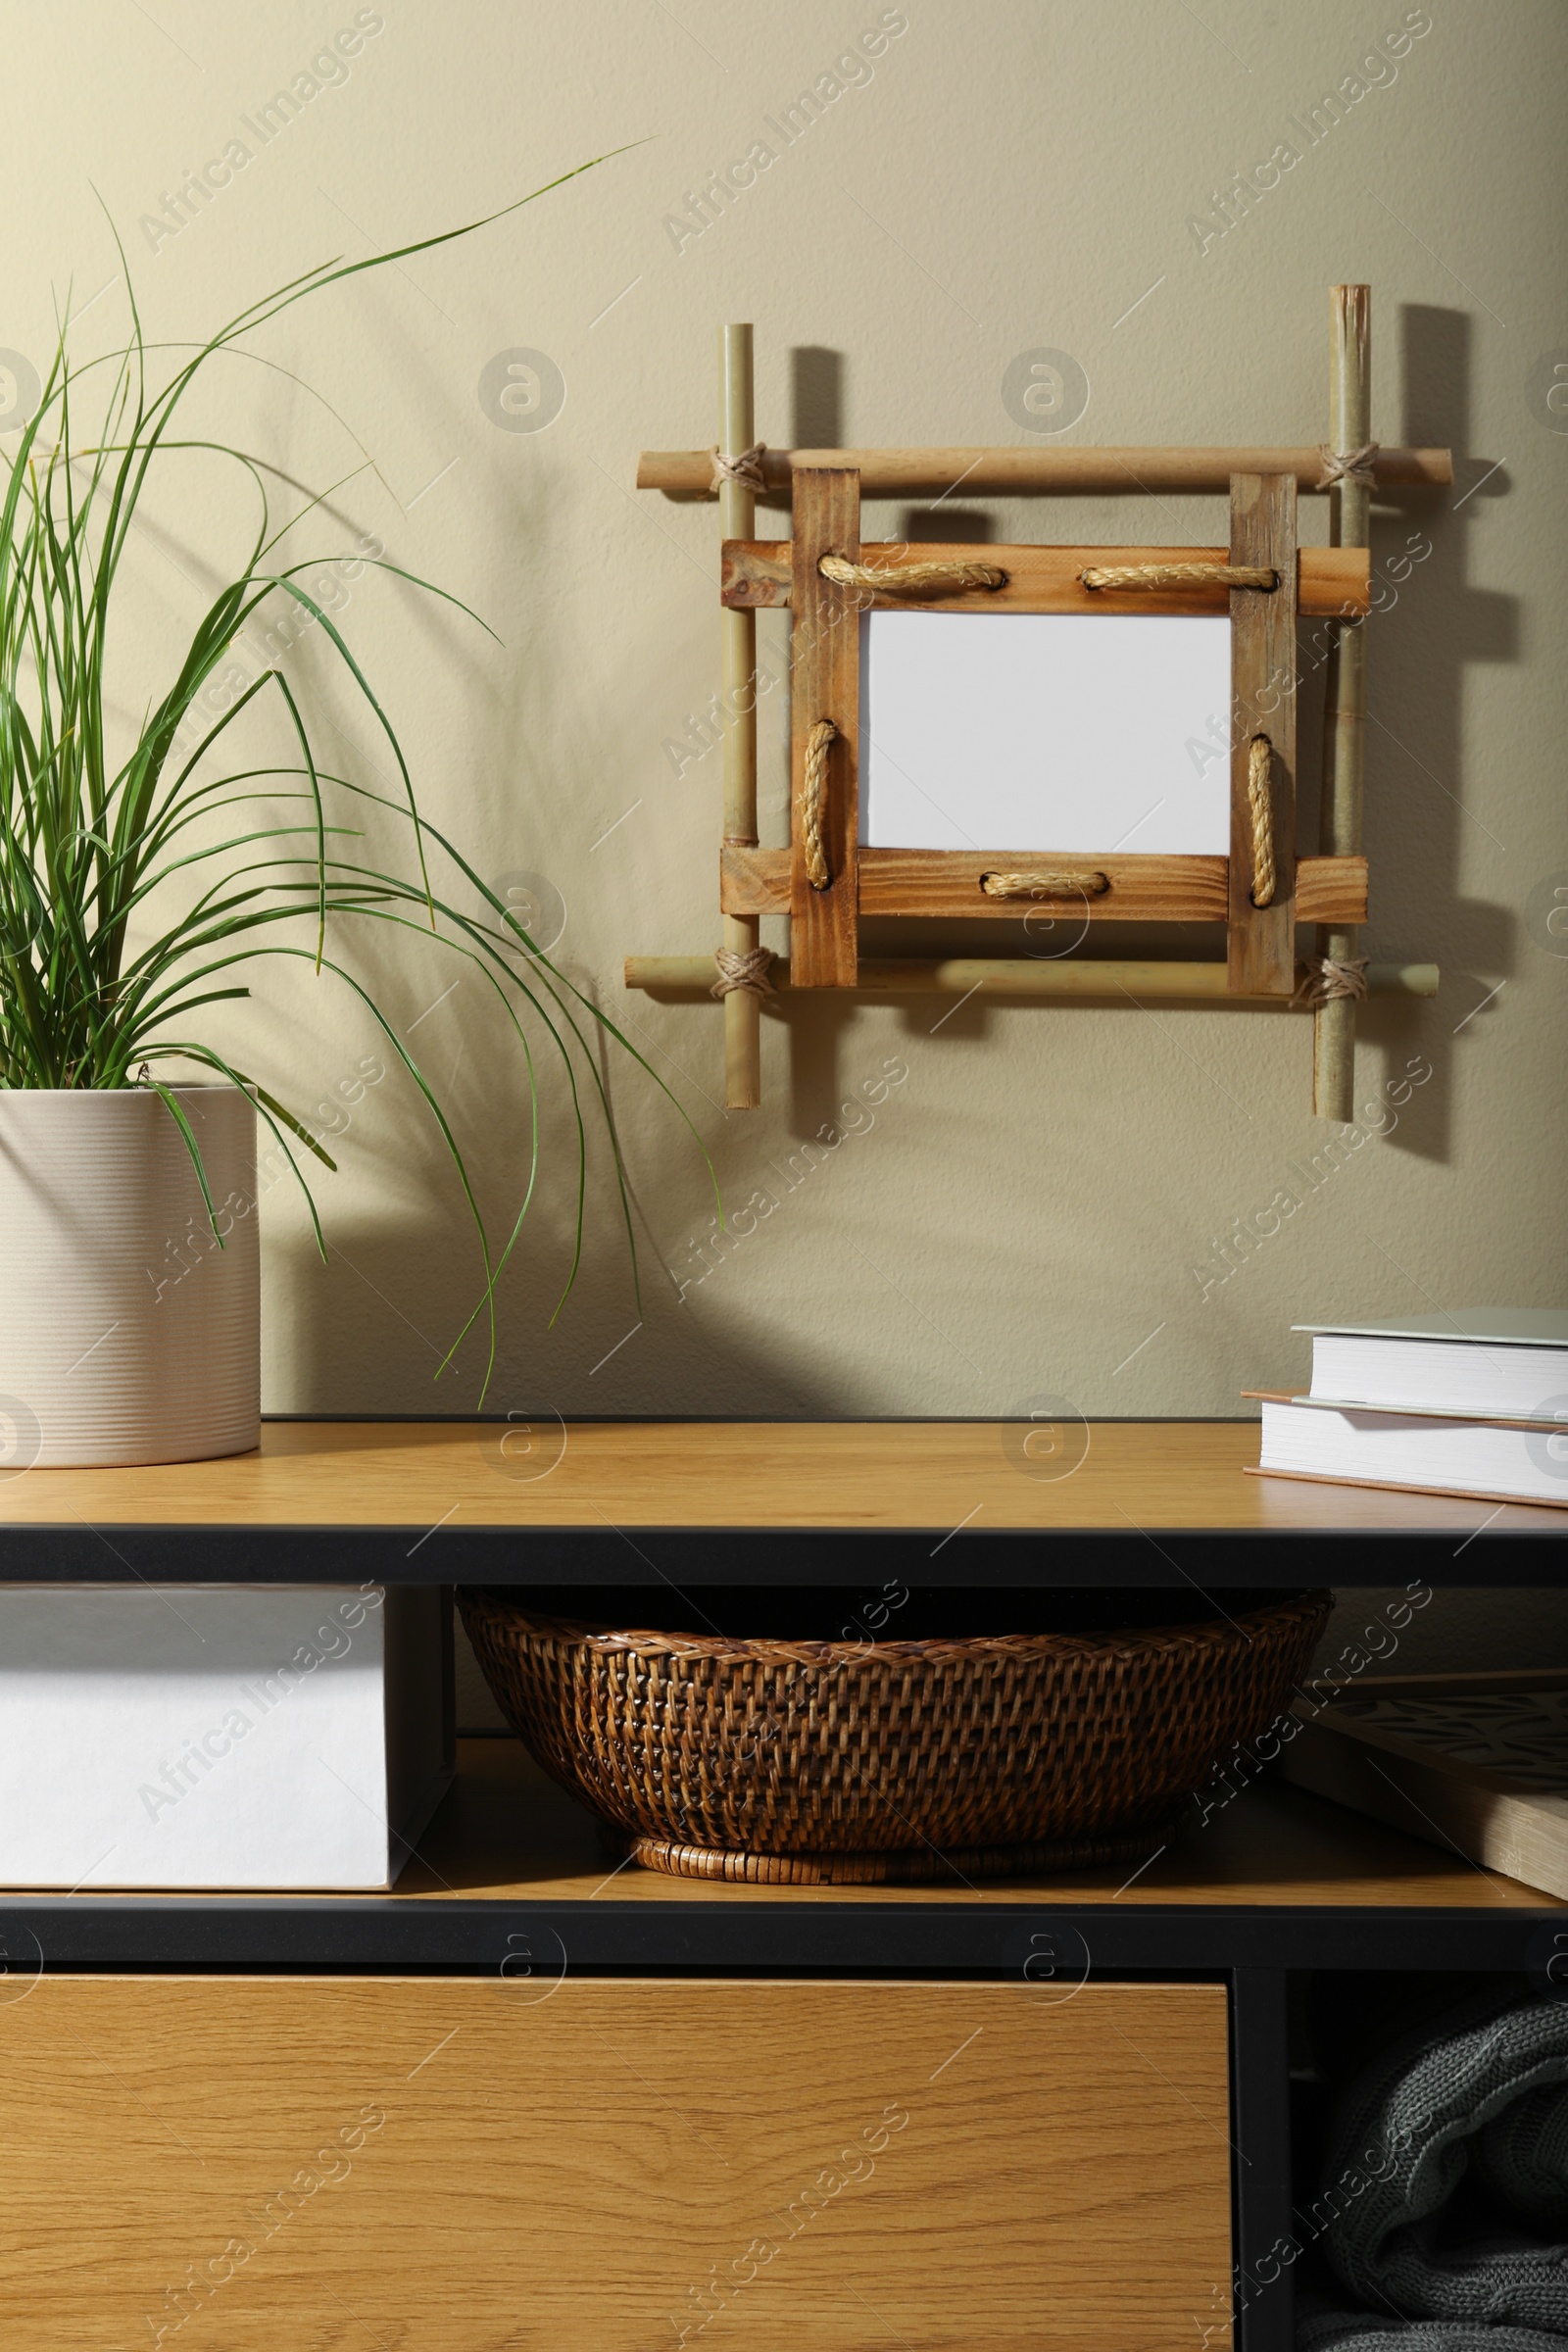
1479	2103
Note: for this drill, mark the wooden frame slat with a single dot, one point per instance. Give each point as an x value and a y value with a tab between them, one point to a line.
1333	582
1331	890
946	883
825	673
1261	955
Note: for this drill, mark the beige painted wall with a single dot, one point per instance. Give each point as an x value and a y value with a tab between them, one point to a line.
1037	1206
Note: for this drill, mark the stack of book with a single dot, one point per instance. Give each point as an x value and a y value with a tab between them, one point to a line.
1473	1403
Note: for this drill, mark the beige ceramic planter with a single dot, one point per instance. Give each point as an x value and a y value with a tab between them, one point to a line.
125	1334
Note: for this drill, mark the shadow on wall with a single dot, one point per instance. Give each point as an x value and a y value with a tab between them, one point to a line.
1429	622
816	396
367	1332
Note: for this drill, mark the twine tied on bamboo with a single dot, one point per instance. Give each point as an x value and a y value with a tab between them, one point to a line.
910	579
1087	882
1358	467
1260	808
1326	977
745	470
813	801
748	972
1127	576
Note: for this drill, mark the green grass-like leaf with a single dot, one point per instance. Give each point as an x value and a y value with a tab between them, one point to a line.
213	881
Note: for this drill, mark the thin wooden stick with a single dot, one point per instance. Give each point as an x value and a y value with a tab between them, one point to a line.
1339	826
737	514
1024	976
906	472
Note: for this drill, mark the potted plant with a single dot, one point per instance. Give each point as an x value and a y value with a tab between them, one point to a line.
144	879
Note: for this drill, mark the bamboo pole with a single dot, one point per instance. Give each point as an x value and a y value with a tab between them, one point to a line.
737	518
1023	976
906	472
1340	823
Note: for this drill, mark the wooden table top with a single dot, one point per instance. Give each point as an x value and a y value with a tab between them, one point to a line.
859	1477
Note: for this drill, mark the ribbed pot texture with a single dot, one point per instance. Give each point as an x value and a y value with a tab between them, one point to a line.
126	1335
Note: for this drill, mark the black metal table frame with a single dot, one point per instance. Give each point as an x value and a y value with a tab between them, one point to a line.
937	1557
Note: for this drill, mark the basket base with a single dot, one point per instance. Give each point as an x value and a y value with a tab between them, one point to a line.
918	1867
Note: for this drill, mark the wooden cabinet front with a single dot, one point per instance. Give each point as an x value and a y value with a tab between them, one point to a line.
523	2164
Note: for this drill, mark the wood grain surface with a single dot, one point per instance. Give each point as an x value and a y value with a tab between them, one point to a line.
826	684
1263	938
855	1475
492	2164
505	1832
1337	883
946	883
1331	580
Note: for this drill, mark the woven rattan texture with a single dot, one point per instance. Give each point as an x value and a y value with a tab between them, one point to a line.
808	1749
910	1866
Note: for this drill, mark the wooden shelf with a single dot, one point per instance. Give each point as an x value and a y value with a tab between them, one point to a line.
857	1476
506	1833
509	1882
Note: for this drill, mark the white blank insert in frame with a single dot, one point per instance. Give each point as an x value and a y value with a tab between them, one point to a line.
1045	731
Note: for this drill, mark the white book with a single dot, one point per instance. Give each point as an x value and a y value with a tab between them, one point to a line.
1495	1462
1507	1361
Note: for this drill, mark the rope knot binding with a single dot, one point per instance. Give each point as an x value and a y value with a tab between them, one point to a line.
1358	467
1087	883
1260	806
1324	979
813	801
747	973
744	470
1139	577
910	579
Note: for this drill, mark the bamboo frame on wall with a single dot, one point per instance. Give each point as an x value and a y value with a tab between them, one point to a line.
825	881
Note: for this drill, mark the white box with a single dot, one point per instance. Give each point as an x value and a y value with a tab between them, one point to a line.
220	1735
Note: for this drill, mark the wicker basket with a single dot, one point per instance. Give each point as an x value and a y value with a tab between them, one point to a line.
799	1762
